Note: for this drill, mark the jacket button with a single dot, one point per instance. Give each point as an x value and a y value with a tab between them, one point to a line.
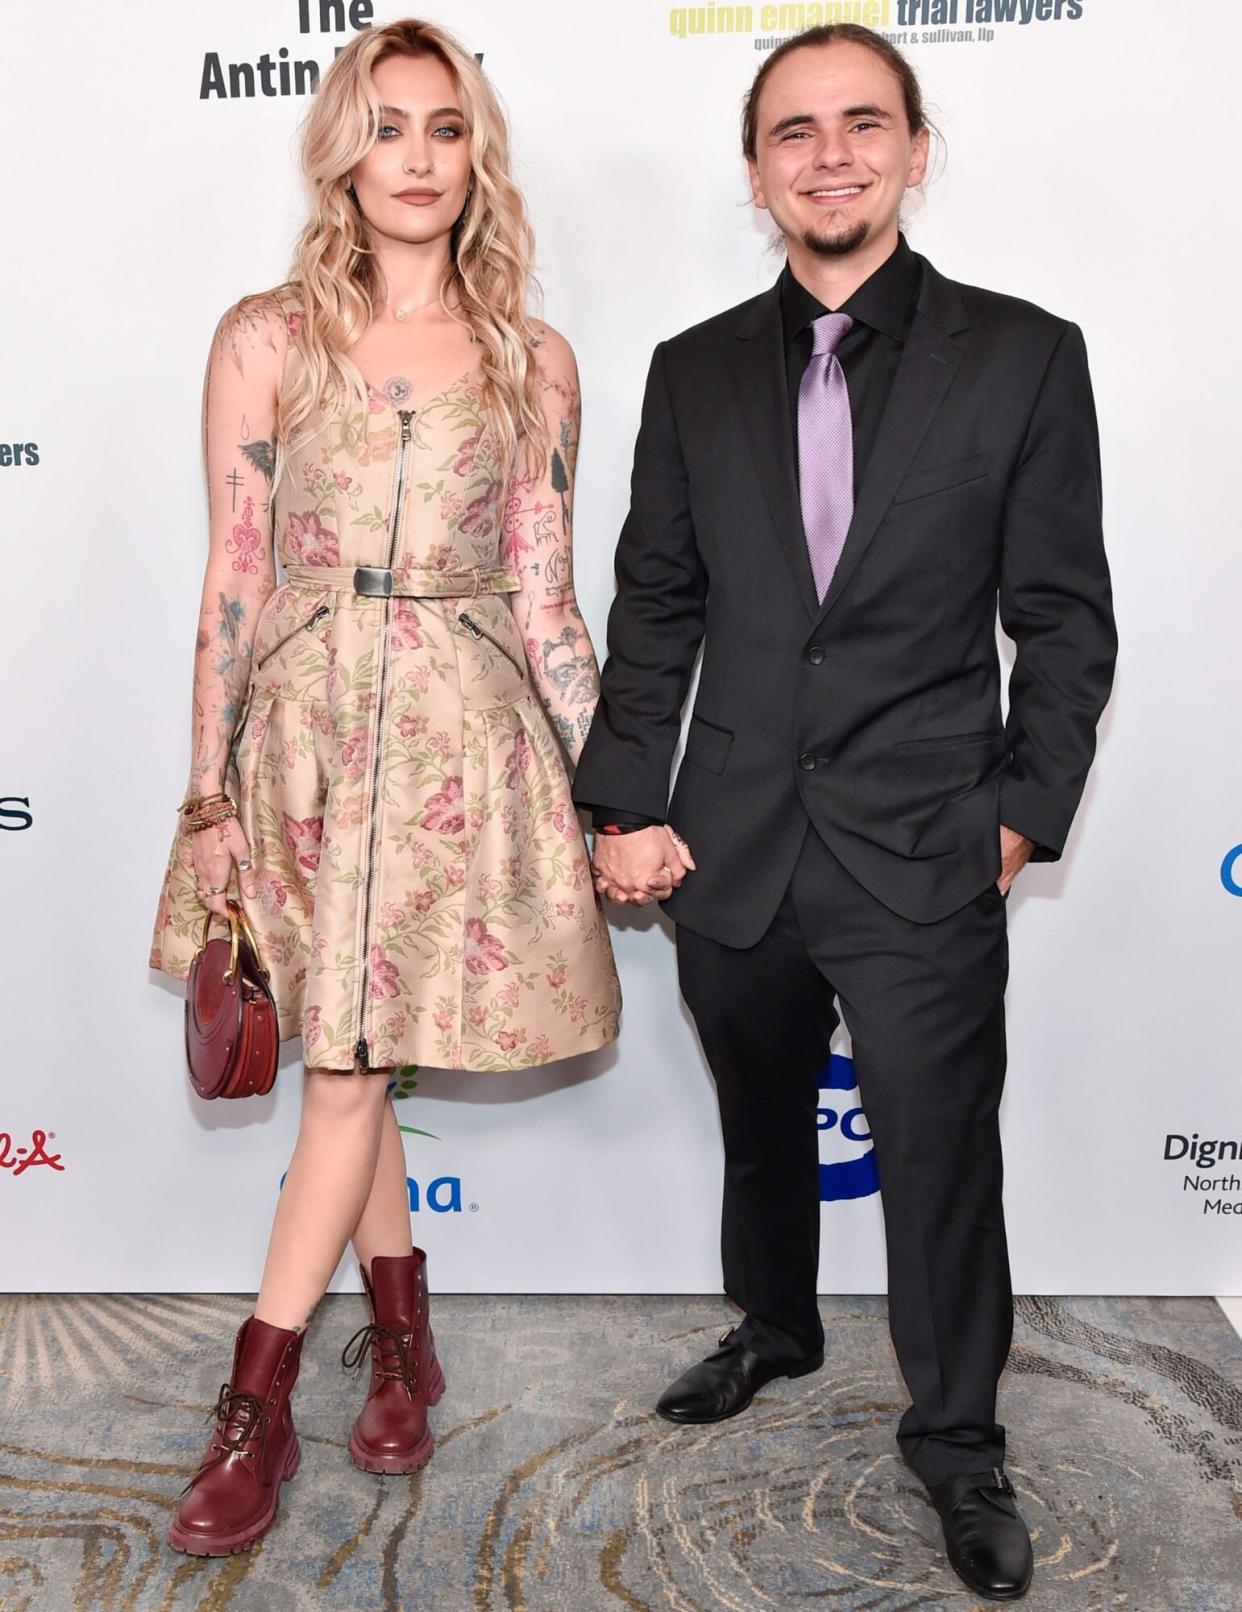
807	762
815	655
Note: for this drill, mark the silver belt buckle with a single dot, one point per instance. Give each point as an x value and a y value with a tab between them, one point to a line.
373	582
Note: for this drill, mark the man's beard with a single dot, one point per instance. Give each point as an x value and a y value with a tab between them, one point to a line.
840	245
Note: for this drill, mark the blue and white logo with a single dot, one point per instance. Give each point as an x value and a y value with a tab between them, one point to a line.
1231	871
846	1151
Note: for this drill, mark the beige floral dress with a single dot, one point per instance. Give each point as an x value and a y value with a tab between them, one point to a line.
424	890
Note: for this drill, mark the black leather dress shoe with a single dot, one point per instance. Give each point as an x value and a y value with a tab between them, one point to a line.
989	1547
725	1382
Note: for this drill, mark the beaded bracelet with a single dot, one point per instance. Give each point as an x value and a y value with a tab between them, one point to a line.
209	813
191	803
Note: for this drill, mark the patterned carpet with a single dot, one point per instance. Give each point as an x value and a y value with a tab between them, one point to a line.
555	1489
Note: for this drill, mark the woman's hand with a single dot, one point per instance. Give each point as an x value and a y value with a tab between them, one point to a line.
642	867
215	852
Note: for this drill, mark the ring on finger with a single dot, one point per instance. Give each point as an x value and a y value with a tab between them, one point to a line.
245	864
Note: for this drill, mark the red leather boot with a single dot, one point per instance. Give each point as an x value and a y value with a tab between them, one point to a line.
231	1500
391	1434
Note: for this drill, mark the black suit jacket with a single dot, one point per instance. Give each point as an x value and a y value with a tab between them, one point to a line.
876	714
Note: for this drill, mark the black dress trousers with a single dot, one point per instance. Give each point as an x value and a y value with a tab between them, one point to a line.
924	1005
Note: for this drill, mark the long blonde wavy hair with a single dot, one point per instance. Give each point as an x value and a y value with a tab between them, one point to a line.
334	273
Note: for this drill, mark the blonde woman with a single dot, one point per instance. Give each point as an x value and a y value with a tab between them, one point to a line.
380	743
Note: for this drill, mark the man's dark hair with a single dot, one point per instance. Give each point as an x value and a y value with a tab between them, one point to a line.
836	33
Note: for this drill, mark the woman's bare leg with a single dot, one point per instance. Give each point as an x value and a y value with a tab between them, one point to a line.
330	1179
384	1225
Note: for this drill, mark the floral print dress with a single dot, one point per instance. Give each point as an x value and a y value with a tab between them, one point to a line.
424	889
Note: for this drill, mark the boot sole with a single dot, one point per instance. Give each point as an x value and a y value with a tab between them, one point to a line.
369	1460
191	1543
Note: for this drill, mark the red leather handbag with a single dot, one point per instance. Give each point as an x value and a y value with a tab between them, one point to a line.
231	1034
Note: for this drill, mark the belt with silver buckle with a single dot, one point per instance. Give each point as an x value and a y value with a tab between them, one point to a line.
373	582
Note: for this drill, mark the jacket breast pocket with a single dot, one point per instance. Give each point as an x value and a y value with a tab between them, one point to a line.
942	478
708	746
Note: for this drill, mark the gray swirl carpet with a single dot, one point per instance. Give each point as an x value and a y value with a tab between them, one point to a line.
555	1489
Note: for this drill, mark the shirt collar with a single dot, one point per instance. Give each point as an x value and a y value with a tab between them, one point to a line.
885	301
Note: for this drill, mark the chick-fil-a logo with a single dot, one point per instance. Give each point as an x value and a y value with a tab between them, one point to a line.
21	1159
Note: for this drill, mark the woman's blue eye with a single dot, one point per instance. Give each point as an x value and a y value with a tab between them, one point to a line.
386	130
449	129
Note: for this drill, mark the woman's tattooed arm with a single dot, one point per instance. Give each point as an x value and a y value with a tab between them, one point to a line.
239	427
539	545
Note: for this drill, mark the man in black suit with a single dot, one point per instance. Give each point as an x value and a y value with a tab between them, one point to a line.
832	506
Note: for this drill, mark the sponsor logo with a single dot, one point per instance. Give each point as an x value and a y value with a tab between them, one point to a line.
21	1159
846	1152
1220	1194
916	22
1230	871
18	453
443	1195
15	813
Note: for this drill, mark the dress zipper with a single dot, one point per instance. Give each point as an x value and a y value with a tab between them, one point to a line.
361	1050
281	642
475	631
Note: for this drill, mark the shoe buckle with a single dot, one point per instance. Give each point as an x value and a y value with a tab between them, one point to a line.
1001	1480
725	1336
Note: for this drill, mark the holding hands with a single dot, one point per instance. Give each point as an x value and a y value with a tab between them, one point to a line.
638	868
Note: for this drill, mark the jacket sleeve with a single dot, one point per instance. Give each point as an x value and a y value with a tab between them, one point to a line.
655	625
1056	605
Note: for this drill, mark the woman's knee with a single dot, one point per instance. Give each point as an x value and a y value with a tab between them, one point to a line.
344	1095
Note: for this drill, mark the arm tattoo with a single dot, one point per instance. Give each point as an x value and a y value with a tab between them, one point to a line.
259	456
247	325
221	678
569	665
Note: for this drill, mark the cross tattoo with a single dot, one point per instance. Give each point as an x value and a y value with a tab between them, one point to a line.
234	481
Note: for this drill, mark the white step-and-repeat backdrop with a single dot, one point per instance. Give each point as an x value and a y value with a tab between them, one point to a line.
149	181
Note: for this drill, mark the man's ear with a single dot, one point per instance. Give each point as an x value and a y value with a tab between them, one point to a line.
917	171
756	185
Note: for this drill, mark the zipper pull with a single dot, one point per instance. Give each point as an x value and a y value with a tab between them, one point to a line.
361	1053
406	416
318	616
468	622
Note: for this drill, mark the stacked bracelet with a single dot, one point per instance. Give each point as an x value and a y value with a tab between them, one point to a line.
206	811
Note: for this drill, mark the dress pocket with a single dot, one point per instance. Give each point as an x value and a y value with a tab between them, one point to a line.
490	656
320	613
291	654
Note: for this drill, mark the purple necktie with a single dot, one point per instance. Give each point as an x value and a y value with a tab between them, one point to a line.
825	450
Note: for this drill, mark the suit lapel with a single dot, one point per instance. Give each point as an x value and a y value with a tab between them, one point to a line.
757	367
925	372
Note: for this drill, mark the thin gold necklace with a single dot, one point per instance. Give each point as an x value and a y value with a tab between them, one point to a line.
404	313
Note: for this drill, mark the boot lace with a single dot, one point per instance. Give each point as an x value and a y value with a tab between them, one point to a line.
392	1353
239	1418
